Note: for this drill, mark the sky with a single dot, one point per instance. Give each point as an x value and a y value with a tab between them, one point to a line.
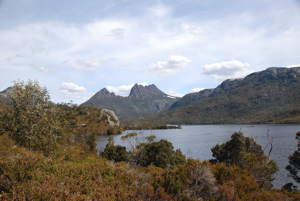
75	48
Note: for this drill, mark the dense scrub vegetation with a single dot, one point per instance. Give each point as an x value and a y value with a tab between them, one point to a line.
64	170
83	120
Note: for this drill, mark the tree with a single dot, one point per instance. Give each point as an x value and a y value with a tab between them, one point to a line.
244	152
112	152
231	151
92	141
294	165
161	154
30	120
131	138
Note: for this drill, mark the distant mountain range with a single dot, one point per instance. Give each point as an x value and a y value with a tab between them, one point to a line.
142	101
269	96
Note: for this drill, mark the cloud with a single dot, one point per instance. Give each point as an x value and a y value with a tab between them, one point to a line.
65	62
9	59
227	70
125	64
197	89
92	83
123	90
71	89
291	66
118	33
88	64
36	49
143	84
173	92
169	67
41	67
196	31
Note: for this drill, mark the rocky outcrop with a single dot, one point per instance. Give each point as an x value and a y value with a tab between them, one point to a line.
112	119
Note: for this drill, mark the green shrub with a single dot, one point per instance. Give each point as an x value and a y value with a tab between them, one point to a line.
30	120
245	153
161	154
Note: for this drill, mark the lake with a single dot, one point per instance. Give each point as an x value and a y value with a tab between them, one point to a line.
196	141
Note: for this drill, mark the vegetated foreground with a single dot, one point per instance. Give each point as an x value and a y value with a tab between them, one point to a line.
38	163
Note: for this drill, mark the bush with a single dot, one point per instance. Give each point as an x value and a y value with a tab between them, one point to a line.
161	154
92	141
294	163
245	153
30	120
115	153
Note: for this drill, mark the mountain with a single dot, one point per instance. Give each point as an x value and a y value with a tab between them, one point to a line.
4	96
142	101
193	97
269	96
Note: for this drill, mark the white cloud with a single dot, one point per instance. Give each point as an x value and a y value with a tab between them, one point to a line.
159	11
143	84
41	67
227	70
88	64
118	33
124	64
151	32
173	92
291	66
169	67
197	89
123	90
71	89
196	31
92	83
36	49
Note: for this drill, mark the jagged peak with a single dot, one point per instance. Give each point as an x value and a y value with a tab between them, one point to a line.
104	93
139	91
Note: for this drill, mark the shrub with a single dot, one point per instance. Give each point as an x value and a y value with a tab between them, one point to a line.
161	154
92	141
245	153
294	164
30	120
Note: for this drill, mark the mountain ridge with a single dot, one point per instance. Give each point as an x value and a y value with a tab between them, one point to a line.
268	96
142	101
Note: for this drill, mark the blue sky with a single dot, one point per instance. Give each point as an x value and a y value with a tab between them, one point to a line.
75	48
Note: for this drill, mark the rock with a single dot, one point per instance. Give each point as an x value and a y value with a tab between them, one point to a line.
111	117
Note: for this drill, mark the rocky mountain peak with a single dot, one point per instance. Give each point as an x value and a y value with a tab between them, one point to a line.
5	93
144	92
104	93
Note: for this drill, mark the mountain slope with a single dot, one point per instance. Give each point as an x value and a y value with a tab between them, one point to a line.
4	96
142	101
269	96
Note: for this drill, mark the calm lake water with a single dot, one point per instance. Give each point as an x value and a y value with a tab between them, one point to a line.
196	141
